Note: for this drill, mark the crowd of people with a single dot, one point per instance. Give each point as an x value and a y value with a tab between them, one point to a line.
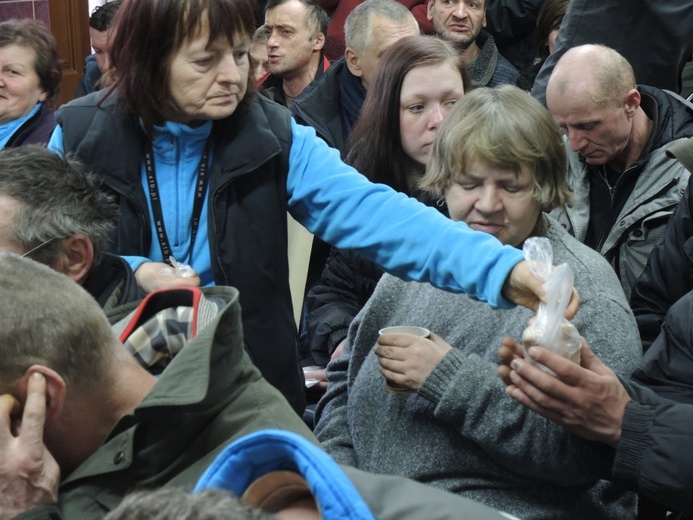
151	364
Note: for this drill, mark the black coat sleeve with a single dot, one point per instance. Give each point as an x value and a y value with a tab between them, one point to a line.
667	367
655	453
668	275
345	285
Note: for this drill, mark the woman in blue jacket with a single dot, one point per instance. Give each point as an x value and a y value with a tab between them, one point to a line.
204	171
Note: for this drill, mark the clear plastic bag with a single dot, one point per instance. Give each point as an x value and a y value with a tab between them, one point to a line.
549	328
177	270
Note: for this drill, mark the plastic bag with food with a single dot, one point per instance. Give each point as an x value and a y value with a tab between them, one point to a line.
549	328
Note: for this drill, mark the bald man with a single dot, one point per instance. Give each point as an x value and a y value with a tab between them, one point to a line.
624	185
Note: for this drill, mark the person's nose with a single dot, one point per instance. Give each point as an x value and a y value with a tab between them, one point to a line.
435	117
489	200
228	71
272	40
577	139
460	10
106	61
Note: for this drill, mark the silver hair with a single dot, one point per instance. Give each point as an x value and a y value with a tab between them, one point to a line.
57	199
357	33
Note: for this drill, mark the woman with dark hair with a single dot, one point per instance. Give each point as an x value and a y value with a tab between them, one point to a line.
416	82
204	172
548	23
29	82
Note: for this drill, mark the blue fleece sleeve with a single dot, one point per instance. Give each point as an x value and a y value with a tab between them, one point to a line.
55	143
403	236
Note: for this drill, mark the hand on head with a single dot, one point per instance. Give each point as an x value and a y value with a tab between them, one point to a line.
29	475
523	288
588	400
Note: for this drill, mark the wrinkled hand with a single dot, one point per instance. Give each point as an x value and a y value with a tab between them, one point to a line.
587	400
149	278
407	360
523	288
29	475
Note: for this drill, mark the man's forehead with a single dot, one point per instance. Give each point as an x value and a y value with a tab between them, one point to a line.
292	14
98	38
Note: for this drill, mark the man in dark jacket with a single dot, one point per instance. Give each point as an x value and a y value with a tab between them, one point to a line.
52	211
295	37
332	104
624	185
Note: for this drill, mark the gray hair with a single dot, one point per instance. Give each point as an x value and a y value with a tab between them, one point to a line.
504	127
57	199
177	504
357	33
48	319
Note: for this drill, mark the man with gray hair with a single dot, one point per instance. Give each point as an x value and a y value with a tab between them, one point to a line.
82	423
52	211
332	104
625	187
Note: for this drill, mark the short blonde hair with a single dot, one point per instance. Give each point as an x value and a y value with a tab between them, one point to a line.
504	127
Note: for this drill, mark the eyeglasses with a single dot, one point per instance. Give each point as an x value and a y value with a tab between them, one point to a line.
39	247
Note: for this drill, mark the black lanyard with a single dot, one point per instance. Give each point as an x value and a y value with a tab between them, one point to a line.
200	189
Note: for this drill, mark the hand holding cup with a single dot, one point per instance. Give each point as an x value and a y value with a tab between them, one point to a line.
407	355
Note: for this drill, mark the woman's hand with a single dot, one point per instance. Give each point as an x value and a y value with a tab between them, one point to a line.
523	288
152	276
407	360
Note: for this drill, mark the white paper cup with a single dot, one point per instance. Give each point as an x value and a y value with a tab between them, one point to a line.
406	329
419	332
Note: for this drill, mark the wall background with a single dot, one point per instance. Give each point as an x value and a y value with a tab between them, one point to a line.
37	9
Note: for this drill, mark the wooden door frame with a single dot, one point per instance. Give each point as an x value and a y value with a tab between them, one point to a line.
69	20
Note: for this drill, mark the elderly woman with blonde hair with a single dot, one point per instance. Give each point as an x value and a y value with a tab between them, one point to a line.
498	163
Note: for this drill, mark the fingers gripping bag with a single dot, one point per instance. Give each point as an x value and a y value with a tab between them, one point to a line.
550	329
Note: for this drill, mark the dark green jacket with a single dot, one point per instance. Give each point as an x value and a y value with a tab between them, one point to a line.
209	395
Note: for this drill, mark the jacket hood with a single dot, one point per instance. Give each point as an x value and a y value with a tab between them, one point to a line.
673	119
257	454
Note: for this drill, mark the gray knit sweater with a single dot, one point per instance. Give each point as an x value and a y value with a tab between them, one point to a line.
460	432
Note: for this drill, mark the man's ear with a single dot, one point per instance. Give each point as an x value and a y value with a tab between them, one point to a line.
319	42
429	10
75	257
632	102
55	391
352	61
